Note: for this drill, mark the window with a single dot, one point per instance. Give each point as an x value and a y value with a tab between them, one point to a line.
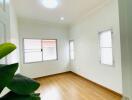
72	50
37	50
106	47
32	50
49	49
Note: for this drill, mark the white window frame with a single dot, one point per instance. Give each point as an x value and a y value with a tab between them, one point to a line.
113	62
41	51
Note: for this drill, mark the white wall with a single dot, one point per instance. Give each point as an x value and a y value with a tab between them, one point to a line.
125	7
36	29
14	36
85	35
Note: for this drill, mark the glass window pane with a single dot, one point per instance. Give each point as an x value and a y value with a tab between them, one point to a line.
49	49
32	50
106	56
33	57
32	44
72	50
106	39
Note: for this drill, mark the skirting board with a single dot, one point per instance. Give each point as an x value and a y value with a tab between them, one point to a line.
125	98
100	85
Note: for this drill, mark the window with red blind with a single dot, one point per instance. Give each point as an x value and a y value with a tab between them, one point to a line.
37	50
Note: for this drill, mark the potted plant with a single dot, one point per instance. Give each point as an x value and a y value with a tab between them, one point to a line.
21	87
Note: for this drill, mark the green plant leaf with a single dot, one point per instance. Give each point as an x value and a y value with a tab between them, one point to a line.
6	74
6	48
23	85
14	96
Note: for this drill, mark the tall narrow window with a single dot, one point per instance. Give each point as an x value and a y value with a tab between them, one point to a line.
32	50
49	49
106	47
71	49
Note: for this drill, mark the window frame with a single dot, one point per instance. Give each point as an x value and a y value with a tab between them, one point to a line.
41	50
99	34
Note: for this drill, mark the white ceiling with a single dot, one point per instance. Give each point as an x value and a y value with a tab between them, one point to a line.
71	10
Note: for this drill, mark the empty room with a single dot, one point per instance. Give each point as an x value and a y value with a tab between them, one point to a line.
65	50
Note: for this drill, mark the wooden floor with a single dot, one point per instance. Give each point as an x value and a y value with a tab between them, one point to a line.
69	86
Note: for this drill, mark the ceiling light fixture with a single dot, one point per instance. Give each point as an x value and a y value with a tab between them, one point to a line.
62	18
50	3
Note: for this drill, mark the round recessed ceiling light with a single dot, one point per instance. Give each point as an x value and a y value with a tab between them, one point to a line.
50	3
62	18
